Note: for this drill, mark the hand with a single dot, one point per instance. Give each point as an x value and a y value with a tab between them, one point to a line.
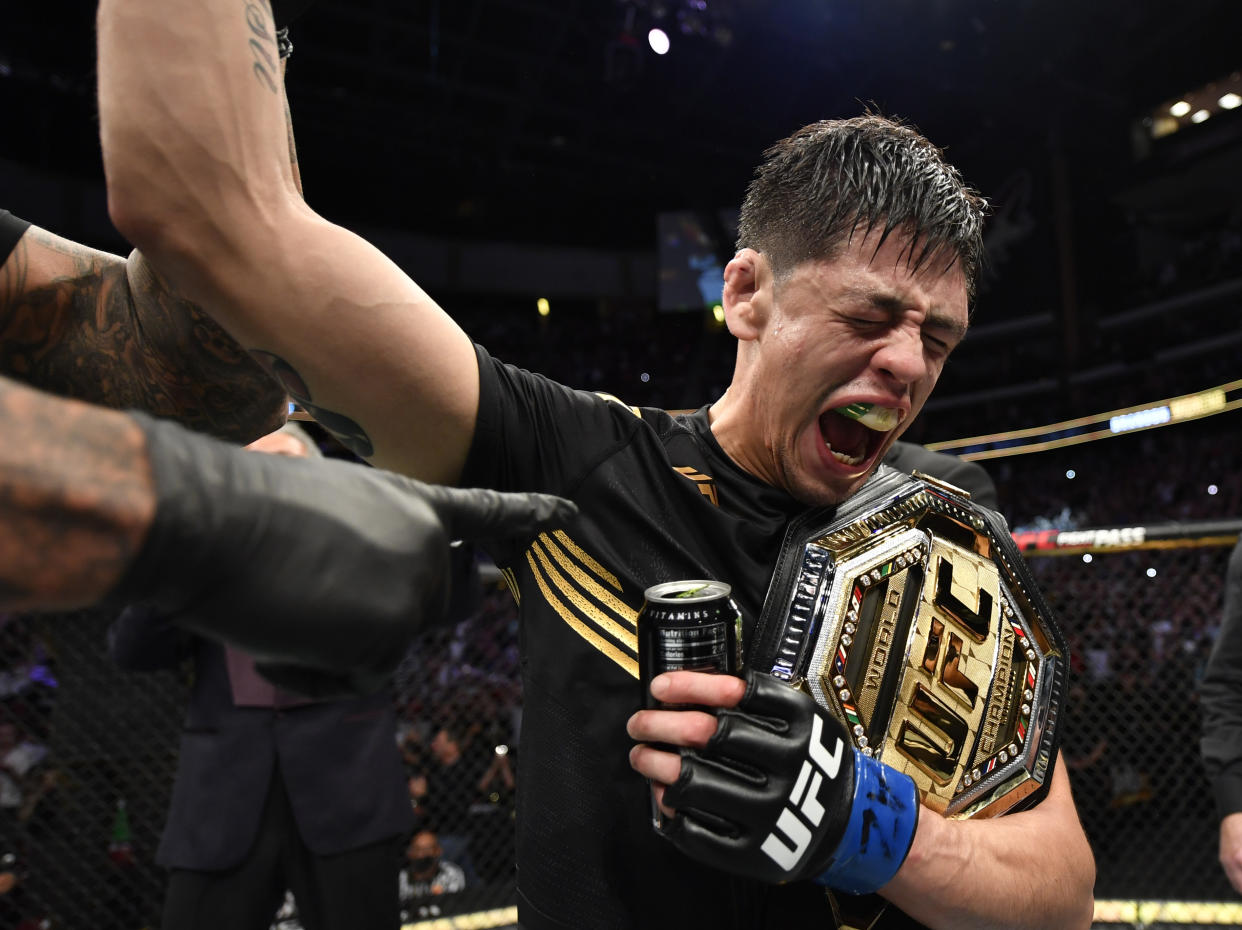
1231	849
321	564
768	785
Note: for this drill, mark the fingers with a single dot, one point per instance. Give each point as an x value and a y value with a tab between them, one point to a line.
699	688
476	513
657	764
690	728
661	768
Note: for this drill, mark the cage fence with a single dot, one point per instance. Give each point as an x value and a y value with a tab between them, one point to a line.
89	752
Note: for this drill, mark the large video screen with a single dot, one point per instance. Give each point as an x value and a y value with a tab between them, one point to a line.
695	246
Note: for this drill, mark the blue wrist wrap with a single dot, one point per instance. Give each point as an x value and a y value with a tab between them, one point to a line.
880	829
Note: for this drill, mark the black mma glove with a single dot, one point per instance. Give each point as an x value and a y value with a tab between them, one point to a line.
321	564
779	794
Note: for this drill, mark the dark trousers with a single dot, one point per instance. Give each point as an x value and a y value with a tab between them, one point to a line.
354	890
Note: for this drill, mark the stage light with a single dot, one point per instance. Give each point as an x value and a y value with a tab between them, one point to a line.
1213	490
718	313
1179	109
1151	573
543	306
1200	116
658	40
644	377
1071	474
1087	557
1230	101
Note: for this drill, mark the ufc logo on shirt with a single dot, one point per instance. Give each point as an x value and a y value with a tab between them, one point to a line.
804	807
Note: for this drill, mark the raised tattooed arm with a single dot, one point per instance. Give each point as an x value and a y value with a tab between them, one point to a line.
90	325
199	179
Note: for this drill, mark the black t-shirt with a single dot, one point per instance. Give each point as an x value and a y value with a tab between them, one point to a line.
659	501
11	230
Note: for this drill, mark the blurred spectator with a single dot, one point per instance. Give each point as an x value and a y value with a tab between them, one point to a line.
428	878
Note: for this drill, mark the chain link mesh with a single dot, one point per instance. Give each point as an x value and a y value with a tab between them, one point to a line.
88	774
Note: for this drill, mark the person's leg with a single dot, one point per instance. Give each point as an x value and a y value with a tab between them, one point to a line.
242	898
354	890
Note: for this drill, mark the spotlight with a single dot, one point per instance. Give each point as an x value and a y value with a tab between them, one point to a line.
1151	573
658	40
1200	116
1087	557
1230	101
543	306
1179	109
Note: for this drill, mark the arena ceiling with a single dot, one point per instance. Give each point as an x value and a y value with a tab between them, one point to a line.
539	120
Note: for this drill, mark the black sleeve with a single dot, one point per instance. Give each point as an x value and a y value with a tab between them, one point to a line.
1221	696
11	230
533	434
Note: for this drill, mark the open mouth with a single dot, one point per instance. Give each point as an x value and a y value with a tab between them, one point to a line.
855	432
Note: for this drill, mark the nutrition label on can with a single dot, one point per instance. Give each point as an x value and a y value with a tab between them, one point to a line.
703	647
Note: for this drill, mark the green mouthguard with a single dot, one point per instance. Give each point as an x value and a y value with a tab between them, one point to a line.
880	419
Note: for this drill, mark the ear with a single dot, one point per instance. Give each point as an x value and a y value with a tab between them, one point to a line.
747	294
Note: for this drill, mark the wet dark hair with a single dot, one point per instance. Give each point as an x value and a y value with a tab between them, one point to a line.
817	187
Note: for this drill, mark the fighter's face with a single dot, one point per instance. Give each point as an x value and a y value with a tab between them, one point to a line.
861	328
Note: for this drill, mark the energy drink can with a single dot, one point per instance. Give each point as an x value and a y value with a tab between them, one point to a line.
690	625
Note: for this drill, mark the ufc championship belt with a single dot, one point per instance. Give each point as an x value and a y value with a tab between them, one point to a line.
910	615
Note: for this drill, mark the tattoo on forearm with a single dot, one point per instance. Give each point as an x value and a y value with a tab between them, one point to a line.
348	431
75	499
86	324
263	47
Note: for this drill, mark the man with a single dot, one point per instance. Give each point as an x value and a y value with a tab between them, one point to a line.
429	879
848	294
1222	722
273	791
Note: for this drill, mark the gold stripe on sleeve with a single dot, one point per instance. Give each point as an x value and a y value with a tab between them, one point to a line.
585	559
592	612
512	584
628	663
592	587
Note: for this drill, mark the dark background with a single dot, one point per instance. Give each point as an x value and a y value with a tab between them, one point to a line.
513	130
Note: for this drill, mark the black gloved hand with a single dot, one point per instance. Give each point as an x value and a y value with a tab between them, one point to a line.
779	794
320	564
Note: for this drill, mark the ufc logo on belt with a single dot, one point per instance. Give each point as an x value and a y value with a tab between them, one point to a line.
804	800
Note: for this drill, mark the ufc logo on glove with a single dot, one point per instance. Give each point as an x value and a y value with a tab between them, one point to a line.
821	763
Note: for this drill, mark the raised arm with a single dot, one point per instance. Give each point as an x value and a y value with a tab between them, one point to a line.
198	179
83	323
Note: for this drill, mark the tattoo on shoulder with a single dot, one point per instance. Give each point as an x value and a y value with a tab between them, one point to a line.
347	430
83	323
263	47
